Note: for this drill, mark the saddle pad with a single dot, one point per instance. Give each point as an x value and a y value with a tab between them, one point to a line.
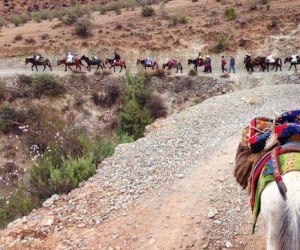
288	162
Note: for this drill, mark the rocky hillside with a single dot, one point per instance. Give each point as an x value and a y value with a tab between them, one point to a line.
176	28
172	189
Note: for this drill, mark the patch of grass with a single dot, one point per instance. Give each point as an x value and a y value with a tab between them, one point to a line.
147	11
230	13
17	20
193	72
221	45
2	23
179	19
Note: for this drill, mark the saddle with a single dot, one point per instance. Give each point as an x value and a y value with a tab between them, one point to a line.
266	145
94	59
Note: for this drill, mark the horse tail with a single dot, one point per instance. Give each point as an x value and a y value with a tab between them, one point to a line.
289	234
124	64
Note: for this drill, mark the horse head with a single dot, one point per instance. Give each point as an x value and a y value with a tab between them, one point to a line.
190	61
59	62
27	60
106	61
287	59
138	61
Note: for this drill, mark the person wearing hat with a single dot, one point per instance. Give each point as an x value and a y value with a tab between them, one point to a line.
232	64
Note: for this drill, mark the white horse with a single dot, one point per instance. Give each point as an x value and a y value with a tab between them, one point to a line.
282	215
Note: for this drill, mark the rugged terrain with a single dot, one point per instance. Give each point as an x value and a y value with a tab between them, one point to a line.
174	188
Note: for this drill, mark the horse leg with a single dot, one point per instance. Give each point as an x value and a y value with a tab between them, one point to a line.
272	214
44	67
121	69
36	67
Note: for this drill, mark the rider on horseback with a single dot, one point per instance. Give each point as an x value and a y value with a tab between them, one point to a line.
117	57
200	58
70	57
270	58
36	57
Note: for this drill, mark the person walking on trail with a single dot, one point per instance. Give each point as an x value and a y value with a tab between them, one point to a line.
223	63
232	64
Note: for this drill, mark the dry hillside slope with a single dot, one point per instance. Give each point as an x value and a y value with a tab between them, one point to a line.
172	189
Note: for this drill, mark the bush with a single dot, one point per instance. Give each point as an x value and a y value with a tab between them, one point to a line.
56	175
17	20
45	85
156	106
83	28
10	119
230	13
135	116
221	45
193	72
2	22
18	37
179	19
147	11
17	205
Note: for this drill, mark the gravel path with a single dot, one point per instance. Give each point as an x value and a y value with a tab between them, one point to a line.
172	189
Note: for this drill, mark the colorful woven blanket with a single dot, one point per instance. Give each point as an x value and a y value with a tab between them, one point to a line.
263	173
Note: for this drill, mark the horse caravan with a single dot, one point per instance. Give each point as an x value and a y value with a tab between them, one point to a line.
267	165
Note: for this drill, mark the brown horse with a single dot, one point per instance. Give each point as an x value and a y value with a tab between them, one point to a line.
77	62
250	62
93	61
289	59
277	63
153	64
114	63
173	64
196	62
42	62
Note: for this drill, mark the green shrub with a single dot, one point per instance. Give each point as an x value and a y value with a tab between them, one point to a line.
135	116
179	19
42	15
147	11
45	85
221	45
70	19
193	72
17	205
230	13
83	28
123	138
17	20
2	22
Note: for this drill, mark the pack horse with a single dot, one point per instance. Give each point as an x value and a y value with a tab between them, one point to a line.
268	165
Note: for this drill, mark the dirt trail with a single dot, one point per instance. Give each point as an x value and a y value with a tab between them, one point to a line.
176	217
